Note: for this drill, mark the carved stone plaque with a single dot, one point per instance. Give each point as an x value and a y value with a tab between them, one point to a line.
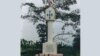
49	48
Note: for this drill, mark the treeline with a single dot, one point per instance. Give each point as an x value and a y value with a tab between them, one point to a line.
29	48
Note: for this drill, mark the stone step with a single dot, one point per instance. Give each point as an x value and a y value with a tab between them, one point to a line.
49	55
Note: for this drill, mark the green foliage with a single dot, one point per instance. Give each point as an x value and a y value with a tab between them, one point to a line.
69	51
32	49
36	48
42	31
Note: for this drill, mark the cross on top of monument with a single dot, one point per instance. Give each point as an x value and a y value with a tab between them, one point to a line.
49	14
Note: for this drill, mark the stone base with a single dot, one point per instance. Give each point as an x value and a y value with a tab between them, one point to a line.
49	48
49	55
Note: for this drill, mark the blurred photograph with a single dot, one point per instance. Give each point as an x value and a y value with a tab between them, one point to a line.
50	28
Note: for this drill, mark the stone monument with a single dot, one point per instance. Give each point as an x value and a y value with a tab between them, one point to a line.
50	47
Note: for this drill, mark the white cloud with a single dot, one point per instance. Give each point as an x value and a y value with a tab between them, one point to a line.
29	31
24	10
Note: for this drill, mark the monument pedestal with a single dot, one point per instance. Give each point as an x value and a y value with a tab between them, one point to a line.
49	48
